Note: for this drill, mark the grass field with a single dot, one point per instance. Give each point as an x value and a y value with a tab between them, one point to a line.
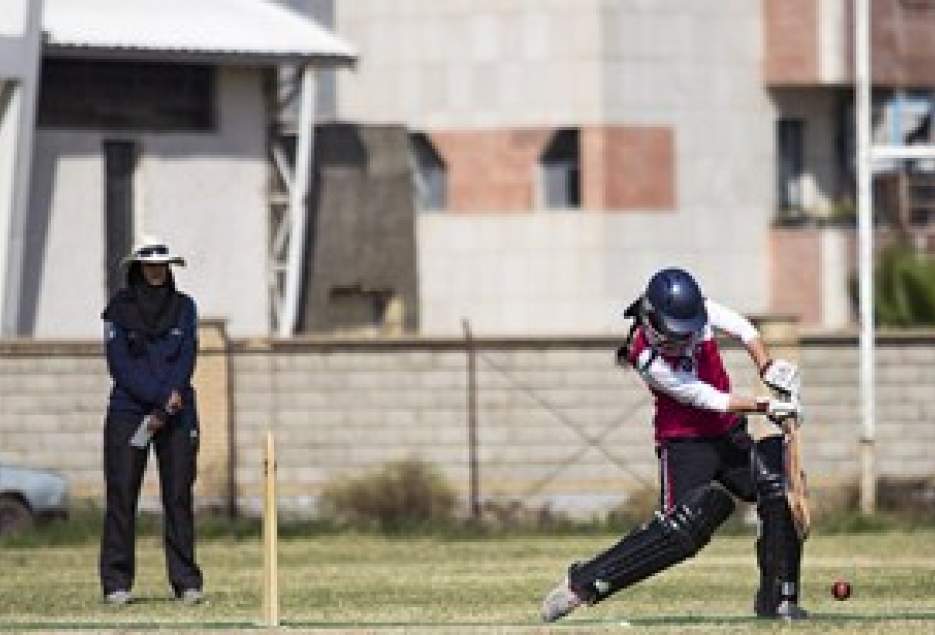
374	584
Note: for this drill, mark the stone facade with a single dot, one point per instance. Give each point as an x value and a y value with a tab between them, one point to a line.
811	42
558	424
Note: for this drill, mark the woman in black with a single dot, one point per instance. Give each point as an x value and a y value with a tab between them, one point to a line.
151	339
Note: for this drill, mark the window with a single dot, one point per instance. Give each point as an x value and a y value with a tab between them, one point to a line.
429	172
790	162
120	159
126	95
560	170
353	308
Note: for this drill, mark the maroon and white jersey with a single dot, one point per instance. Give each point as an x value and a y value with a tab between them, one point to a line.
690	383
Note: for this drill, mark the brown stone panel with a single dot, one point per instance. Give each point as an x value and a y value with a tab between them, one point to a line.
593	167
795	278
791	41
902	40
491	169
639	168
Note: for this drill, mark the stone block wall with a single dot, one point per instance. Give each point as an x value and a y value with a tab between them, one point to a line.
558	423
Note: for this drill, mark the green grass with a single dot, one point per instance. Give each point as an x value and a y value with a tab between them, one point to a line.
428	584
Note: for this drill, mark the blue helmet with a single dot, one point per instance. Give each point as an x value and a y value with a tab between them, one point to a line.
673	305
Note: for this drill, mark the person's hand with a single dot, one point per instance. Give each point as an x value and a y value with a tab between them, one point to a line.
156	421
174	404
780	409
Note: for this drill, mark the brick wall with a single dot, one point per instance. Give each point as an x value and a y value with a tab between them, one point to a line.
341	407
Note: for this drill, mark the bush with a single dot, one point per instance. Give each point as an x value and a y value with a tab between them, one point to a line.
905	288
401	495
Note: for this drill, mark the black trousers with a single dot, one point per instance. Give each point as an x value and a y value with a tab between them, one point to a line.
176	447
686	464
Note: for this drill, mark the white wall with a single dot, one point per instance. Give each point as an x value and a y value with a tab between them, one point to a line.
695	67
204	193
479	64
560	272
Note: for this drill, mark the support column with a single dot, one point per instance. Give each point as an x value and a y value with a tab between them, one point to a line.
20	51
298	204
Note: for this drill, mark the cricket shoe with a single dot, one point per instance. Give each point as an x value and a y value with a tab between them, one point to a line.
191	596
118	598
560	602
788	610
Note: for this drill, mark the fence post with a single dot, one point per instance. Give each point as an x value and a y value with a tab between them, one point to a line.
471	351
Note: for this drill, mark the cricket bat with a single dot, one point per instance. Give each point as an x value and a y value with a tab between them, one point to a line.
796	481
797	484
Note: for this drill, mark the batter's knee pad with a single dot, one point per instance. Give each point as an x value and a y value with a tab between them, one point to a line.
665	540
768	465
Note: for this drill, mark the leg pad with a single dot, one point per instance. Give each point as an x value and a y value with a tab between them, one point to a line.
665	540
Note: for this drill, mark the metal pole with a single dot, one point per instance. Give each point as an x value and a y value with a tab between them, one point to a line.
868	481
298	203
472	419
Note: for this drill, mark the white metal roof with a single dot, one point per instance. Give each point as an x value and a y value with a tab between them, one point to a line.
246	30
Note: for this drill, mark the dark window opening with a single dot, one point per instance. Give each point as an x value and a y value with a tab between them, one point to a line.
127	95
353	307
561	170
120	159
430	173
790	143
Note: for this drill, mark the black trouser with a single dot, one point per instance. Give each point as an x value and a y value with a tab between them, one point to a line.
687	464
176	448
753	472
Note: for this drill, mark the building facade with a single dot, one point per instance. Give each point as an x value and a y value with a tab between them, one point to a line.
147	125
580	145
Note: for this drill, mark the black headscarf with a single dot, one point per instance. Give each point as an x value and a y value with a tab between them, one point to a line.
142	308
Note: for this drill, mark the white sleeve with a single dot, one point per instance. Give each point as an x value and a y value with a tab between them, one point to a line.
731	322
681	386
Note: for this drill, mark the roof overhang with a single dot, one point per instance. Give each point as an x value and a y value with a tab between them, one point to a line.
236	32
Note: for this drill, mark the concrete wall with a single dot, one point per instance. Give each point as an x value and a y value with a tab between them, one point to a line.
697	70
362	234
692	73
53	398
340	407
204	193
456	65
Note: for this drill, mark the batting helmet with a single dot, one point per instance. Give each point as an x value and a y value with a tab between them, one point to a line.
673	305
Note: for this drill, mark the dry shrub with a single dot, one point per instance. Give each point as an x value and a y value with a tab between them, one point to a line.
400	495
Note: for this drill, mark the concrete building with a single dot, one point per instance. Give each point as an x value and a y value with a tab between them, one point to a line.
581	144
561	151
153	117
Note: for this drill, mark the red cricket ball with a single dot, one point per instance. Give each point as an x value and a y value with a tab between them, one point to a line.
841	589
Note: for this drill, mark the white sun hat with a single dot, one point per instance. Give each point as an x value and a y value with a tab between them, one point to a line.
153	251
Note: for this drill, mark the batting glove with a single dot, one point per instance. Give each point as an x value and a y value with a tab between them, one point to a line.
782	376
780	409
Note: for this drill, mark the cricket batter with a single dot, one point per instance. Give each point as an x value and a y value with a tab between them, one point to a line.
706	456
